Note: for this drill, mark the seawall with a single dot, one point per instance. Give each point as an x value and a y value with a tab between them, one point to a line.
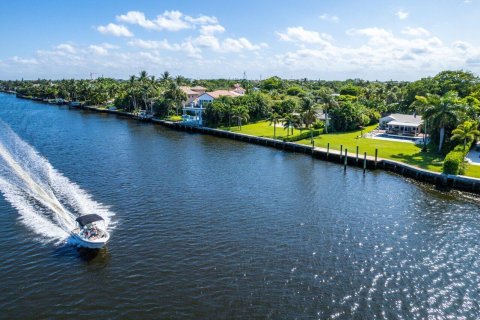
442	181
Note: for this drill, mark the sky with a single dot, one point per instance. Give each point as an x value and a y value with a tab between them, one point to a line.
314	39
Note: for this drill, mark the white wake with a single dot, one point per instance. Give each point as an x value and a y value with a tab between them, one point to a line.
47	201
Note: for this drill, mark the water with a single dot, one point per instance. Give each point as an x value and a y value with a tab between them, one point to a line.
203	227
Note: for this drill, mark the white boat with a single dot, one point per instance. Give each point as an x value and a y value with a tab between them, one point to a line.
91	231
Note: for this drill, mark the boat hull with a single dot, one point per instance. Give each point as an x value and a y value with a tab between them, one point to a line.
92	244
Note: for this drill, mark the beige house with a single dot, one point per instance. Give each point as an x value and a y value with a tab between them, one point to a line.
192	93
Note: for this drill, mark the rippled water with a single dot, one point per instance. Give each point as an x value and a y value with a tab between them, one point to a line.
213	228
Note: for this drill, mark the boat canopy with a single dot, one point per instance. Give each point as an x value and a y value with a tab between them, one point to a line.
88	218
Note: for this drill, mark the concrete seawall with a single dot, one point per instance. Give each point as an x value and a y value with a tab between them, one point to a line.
442	181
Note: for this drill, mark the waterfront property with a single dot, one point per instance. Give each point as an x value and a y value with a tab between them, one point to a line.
314	220
401	124
198	99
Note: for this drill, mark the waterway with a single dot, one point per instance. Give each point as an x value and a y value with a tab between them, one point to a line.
210	228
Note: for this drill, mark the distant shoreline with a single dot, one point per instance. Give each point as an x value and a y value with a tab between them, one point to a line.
441	180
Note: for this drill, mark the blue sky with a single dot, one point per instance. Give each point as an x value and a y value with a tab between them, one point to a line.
323	39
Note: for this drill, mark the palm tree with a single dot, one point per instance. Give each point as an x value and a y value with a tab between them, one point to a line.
240	113
176	95
309	117
143	76
329	101
466	132
274	118
288	120
441	112
165	77
132	91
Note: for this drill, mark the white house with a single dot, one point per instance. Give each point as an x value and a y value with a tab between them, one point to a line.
402	124
192	112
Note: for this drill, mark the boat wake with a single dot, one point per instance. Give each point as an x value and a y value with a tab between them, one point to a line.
47	201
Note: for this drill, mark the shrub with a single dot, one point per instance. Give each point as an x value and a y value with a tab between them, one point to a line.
175	118
454	163
303	135
319	125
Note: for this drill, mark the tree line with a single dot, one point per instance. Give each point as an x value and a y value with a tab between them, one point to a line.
448	101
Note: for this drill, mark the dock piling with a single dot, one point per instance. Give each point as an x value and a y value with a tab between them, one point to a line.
364	162
356	157
345	161
376	156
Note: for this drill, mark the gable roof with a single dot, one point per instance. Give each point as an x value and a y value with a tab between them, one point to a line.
404	118
188	90
222	93
198	88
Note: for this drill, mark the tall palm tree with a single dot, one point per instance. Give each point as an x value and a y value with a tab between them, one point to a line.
274	119
329	101
132	91
441	112
466	132
240	113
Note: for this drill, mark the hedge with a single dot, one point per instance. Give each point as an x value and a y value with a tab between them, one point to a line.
303	135
454	162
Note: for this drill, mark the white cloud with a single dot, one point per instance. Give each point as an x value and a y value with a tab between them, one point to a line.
98	50
228	45
415	32
202	20
20	60
185	46
370	32
328	17
464	46
207	41
300	35
402	14
115	30
150	44
66	47
169	20
238	45
211	29
382	54
137	17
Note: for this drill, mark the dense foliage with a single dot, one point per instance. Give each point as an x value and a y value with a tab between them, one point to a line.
446	101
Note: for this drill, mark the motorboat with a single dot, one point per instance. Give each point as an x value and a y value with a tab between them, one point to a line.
91	231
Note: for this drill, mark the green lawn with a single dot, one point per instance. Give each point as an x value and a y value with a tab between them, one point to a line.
262	129
473	171
400	151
